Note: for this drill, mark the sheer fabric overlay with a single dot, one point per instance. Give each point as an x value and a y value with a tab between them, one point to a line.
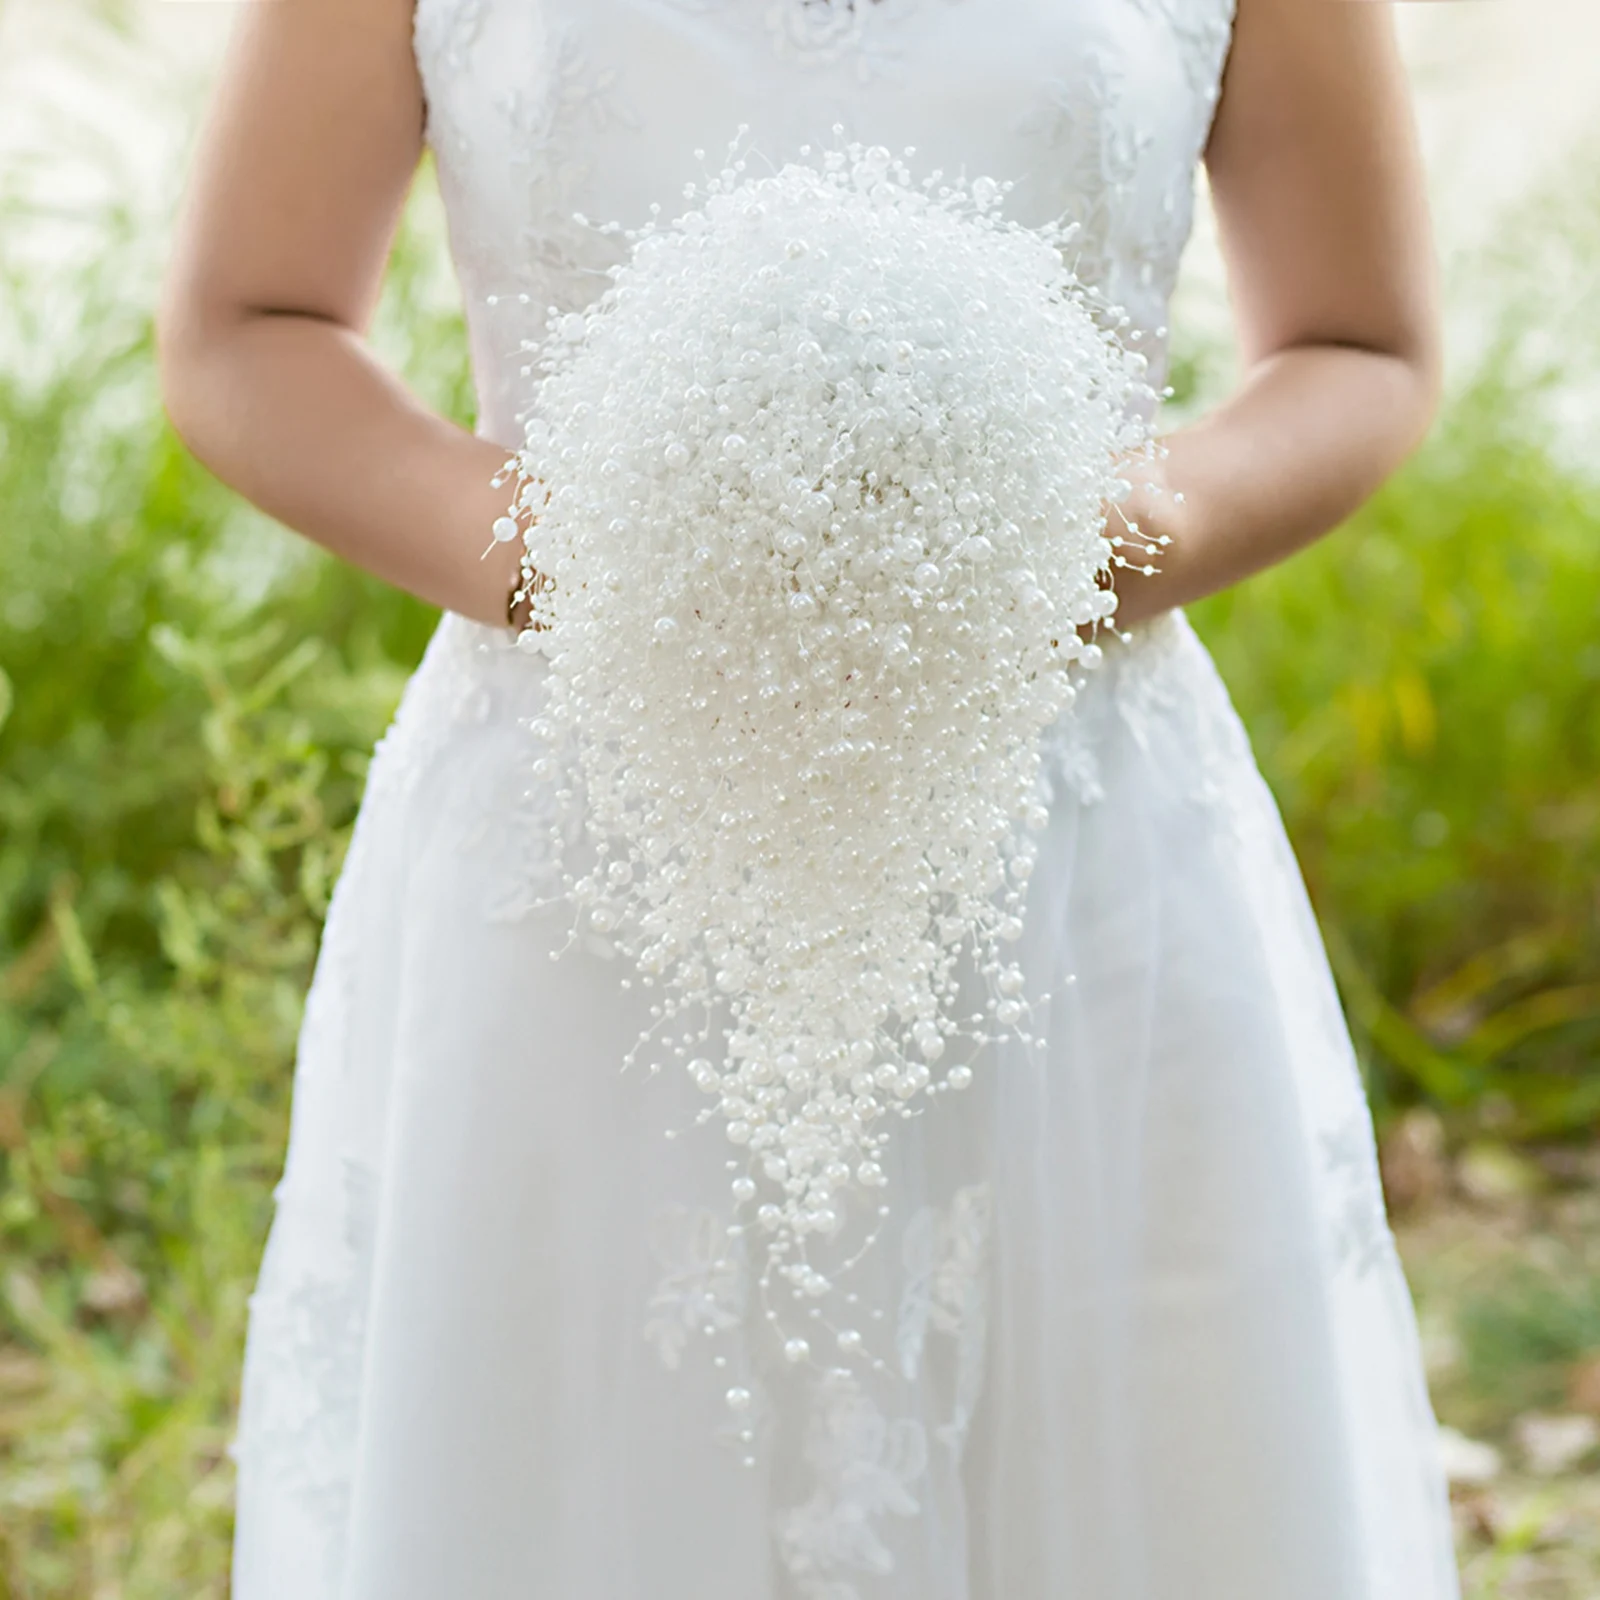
1147	1336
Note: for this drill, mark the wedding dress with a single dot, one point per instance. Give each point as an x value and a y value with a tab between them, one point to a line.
1148	1336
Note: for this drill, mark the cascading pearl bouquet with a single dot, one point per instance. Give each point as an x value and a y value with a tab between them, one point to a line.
815	493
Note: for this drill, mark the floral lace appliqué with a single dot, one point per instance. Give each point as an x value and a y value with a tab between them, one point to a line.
1161	685
1203	29
816	33
702	1289
306	1340
865	1467
1084	128
571	97
444	32
945	1291
493	790
1357	1217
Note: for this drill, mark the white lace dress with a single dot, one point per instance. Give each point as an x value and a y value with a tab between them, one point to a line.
1147	1337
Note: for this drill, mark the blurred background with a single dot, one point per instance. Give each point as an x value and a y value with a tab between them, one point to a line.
189	695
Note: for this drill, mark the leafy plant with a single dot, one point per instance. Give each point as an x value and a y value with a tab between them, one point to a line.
192	695
1423	690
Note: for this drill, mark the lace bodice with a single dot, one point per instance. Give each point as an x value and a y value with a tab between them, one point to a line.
542	109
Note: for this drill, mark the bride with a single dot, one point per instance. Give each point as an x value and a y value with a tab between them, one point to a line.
1148	1336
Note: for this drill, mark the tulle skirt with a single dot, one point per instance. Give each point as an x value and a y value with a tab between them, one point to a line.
1142	1331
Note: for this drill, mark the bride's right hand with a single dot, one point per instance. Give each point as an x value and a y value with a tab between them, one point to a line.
309	149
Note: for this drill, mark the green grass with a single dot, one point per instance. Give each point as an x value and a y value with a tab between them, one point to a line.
1423	690
192	696
1522	1332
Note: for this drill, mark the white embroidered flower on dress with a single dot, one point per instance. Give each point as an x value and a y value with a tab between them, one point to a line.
865	1468
945	1291
1358	1219
702	1288
304	1388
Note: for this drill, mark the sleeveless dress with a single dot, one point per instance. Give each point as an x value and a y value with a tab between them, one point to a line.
1149	1336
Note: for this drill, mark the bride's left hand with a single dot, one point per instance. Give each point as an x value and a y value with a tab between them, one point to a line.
1137	525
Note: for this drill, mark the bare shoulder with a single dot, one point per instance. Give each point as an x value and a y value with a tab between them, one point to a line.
1297	59
304	160
1317	178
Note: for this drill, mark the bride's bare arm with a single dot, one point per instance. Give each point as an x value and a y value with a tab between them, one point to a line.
1323	219
302	170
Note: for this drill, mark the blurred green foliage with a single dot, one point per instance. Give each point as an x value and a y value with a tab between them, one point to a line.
1522	1333
188	697
1423	691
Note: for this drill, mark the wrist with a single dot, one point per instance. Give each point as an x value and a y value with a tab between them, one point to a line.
504	562
1151	527
522	587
